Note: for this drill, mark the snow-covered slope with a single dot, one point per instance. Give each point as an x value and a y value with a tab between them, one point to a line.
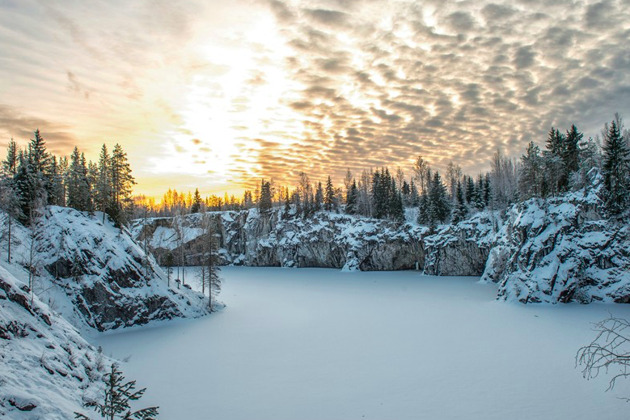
560	250
46	367
94	273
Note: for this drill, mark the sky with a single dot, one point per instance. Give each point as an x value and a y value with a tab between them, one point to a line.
218	94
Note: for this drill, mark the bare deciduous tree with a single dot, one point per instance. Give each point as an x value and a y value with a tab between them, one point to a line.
609	351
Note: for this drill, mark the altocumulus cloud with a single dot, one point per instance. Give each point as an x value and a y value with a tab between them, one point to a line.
344	84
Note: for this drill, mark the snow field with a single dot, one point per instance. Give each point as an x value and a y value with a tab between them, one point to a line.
322	344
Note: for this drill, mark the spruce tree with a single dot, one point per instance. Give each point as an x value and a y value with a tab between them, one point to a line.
121	184
329	196
351	198
319	197
470	191
196	204
571	151
616	170
103	198
77	185
264	203
460	210
553	162
531	173
414	197
117	398
439	203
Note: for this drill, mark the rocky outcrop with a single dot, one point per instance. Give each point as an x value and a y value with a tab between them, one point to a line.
561	250
96	274
557	250
248	238
46	367
461	249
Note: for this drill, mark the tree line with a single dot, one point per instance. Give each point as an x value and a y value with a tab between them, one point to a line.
32	178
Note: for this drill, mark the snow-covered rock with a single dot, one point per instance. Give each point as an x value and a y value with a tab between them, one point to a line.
461	249
327	240
46	367
95	274
560	250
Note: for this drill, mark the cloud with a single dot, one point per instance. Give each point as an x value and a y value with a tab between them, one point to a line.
460	21
317	86
331	18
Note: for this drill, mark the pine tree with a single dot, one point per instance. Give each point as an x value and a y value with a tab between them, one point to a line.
531	173
351	198
78	188
121	184
40	167
479	202
397	210
487	190
196	204
329	196
319	197
616	170
9	166
470	190
117	398
571	152
414	197
460	211
439	203
103	198
264	203
553	162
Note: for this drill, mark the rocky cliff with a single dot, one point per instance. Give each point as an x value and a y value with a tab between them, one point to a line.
94	273
557	250
327	240
561	250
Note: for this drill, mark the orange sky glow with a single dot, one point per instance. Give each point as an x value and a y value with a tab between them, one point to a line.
216	95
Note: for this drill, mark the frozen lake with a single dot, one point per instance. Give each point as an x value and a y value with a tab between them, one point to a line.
324	345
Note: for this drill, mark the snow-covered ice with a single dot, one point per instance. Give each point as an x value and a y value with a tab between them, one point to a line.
322	344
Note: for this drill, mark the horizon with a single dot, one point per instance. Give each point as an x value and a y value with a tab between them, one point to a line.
216	96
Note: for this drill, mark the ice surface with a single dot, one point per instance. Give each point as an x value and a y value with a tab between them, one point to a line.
323	344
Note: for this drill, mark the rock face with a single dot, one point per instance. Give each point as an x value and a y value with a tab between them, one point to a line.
46	367
328	240
248	238
96	274
461	249
561	250
556	250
